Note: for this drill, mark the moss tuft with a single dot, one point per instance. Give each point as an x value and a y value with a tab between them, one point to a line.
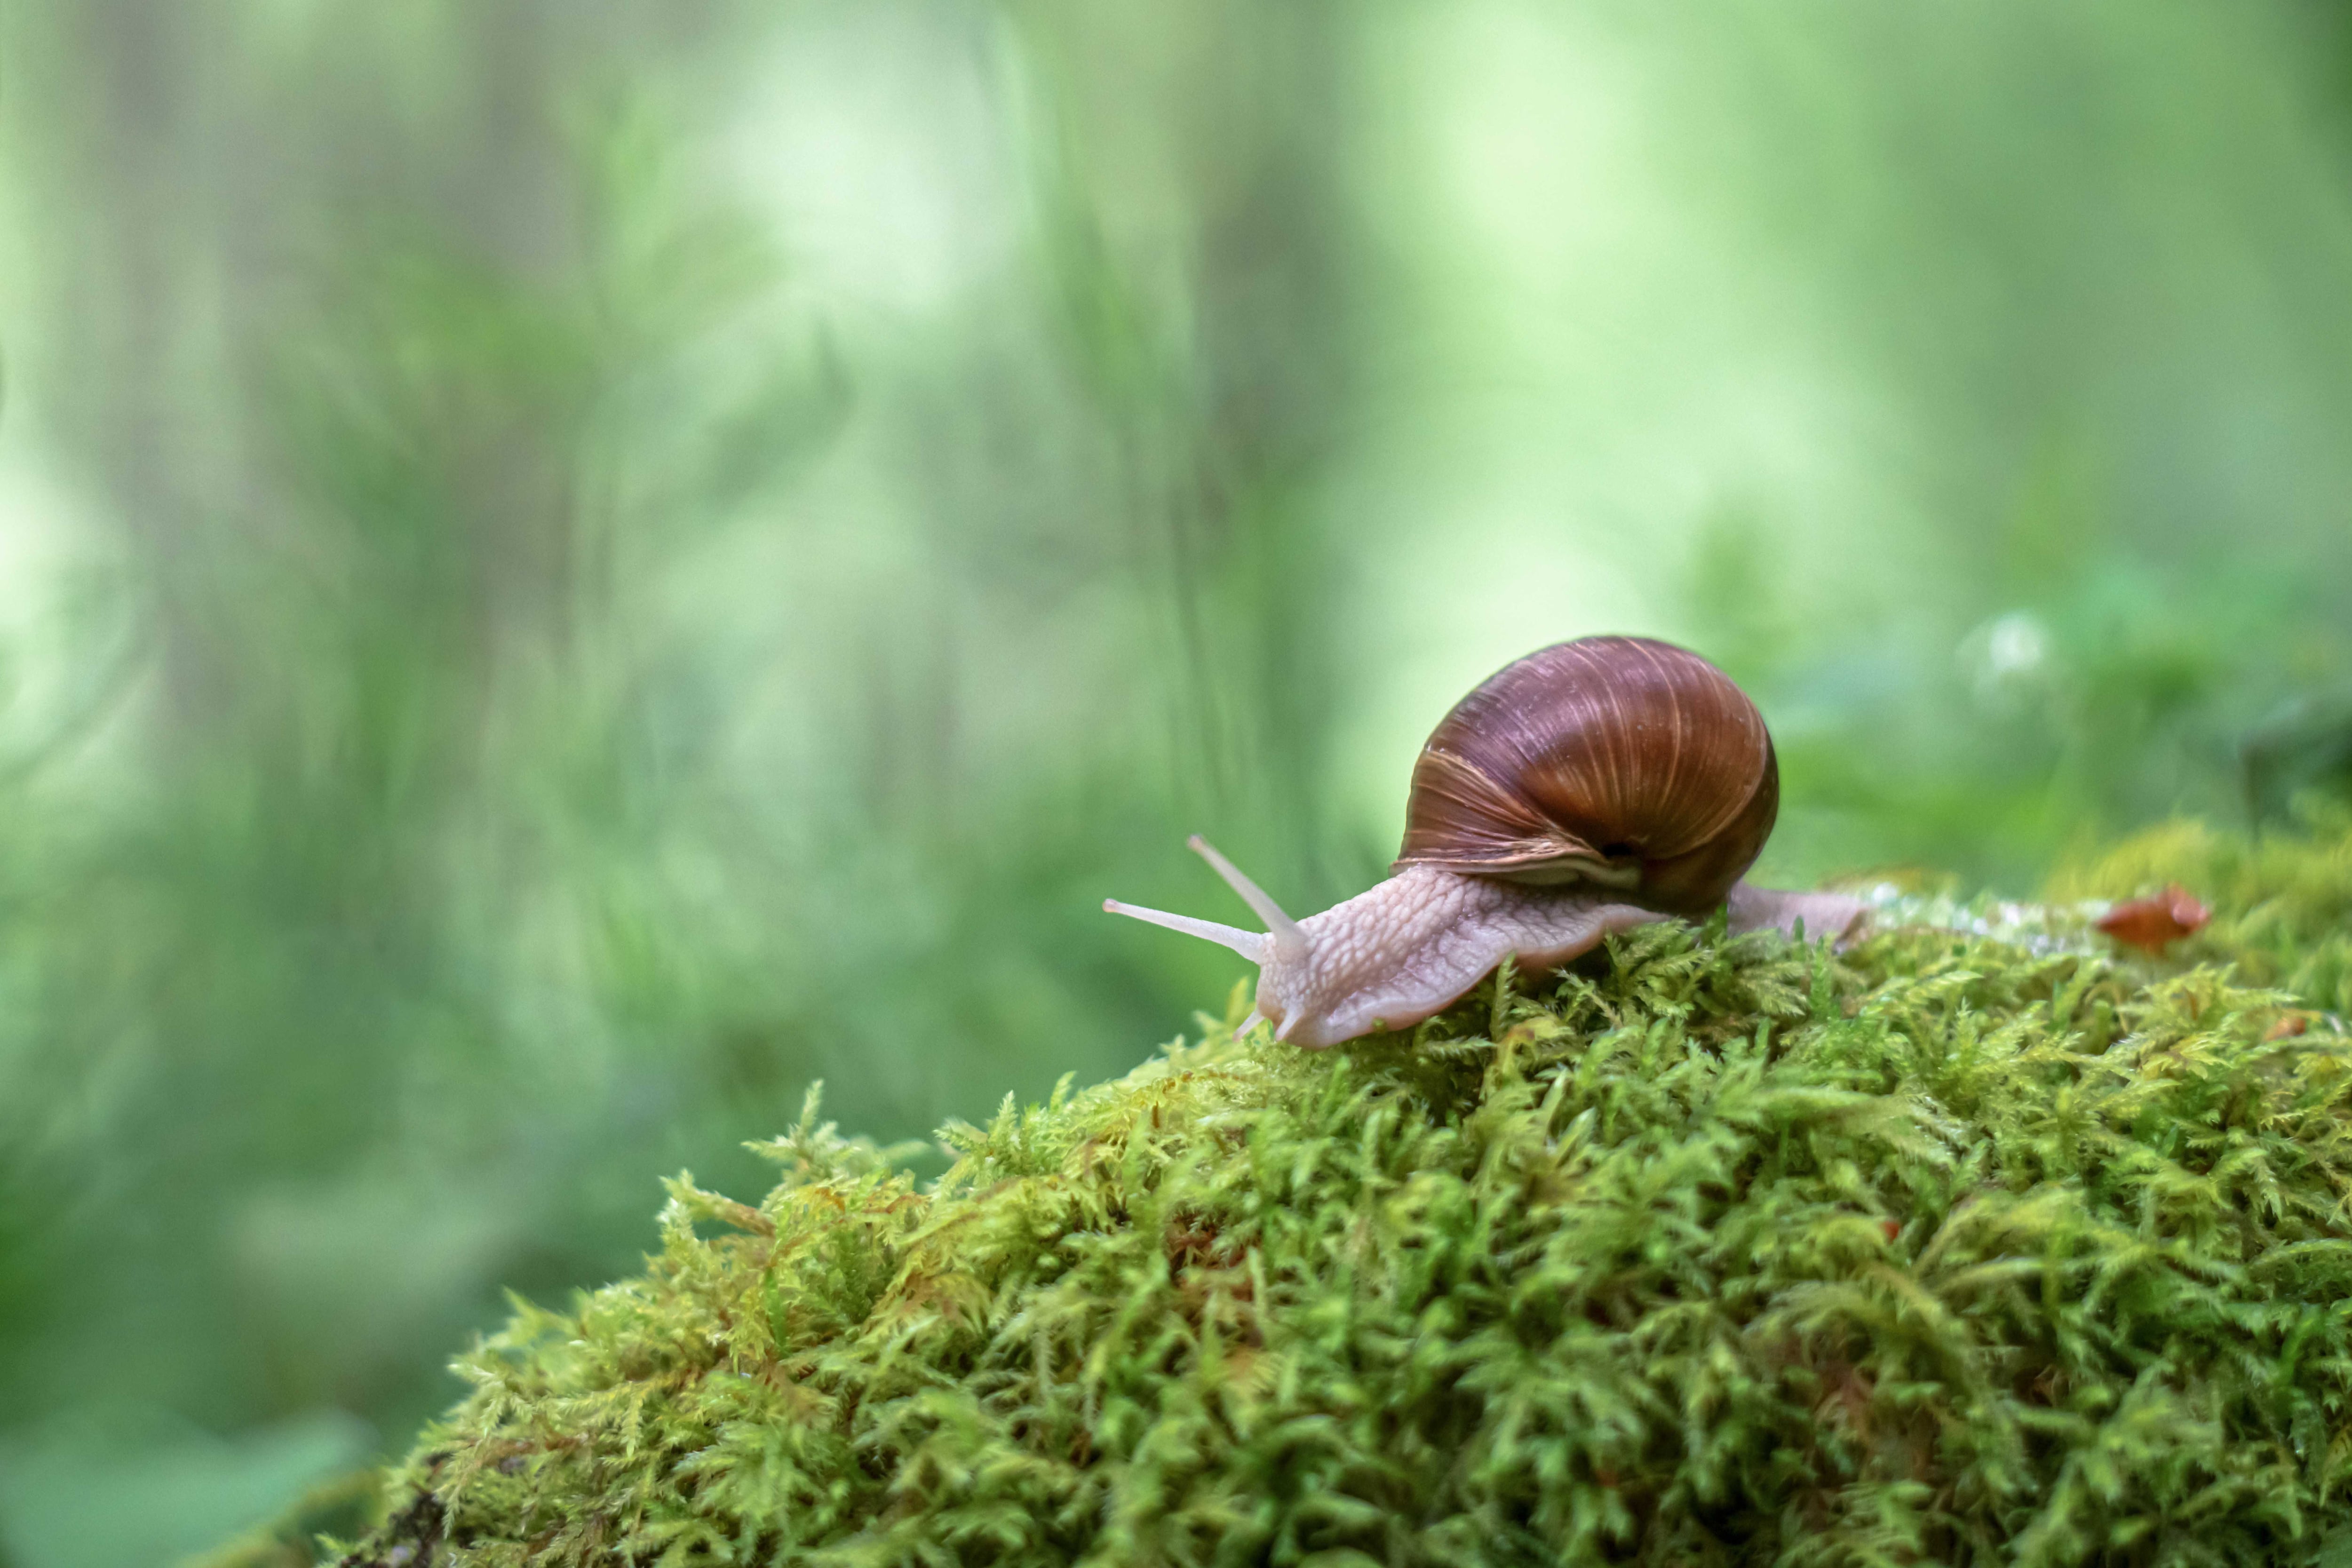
1713	1251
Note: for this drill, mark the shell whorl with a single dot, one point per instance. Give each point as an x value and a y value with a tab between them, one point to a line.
1618	761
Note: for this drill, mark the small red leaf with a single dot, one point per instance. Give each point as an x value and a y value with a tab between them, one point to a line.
2154	923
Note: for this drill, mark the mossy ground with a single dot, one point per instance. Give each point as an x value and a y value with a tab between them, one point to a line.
1942	1250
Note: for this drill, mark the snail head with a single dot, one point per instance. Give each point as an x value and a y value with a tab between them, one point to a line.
1283	948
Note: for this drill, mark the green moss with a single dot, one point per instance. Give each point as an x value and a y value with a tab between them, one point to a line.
1947	1249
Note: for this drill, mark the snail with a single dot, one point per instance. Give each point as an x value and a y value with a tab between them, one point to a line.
1590	787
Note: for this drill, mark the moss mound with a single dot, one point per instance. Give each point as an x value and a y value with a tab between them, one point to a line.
1948	1248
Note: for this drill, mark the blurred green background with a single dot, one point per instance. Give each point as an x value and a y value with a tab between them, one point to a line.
567	568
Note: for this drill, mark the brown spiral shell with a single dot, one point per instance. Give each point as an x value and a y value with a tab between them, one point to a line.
1621	761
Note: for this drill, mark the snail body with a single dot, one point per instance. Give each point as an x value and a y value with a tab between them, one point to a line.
1591	787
